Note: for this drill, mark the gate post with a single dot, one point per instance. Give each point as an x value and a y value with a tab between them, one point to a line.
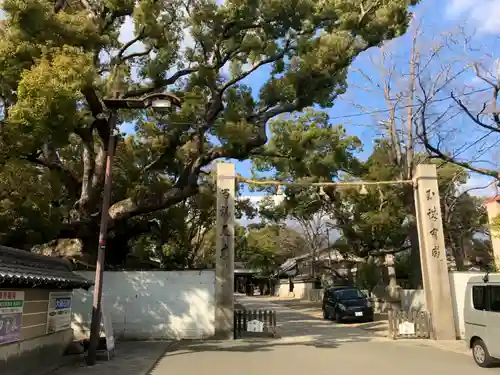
224	263
493	209
435	276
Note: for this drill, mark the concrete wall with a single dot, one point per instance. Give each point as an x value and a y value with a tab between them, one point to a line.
301	290
315	295
34	356
411	299
380	306
306	291
37	352
415	299
282	289
152	304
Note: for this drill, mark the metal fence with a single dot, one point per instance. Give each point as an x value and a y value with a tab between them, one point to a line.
411	324
243	317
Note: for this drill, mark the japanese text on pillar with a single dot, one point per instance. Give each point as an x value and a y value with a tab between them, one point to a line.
224	213
433	215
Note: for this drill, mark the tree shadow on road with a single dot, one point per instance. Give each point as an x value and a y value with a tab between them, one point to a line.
241	346
294	328
379	325
309	332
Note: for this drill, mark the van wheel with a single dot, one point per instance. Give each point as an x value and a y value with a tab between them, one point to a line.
480	353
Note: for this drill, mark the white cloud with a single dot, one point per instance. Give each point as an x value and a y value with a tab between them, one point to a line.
483	14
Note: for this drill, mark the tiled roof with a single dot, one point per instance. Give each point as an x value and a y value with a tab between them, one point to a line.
19	268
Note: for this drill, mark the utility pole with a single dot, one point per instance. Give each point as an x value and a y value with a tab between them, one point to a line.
101	252
158	102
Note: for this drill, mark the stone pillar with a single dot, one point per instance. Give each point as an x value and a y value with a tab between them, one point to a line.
493	209
433	253
224	263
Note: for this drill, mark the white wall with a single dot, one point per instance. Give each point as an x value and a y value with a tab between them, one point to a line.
415	299
411	299
152	304
458	282
301	290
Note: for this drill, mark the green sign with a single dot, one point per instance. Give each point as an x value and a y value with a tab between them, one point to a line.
15	303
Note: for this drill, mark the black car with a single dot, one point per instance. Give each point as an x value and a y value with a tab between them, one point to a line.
346	303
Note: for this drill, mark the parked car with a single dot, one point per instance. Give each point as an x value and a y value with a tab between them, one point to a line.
346	303
482	318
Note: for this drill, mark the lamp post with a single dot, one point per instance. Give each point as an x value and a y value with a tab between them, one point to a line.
158	101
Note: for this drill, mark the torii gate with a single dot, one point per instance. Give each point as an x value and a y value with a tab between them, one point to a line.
432	251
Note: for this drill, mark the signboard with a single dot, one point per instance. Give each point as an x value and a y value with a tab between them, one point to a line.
107	326
59	314
11	313
407	328
255	326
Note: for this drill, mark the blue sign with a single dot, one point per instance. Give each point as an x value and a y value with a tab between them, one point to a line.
63	303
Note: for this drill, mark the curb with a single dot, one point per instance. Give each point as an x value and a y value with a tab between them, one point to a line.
151	368
428	343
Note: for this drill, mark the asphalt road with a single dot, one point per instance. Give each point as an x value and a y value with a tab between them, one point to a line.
310	345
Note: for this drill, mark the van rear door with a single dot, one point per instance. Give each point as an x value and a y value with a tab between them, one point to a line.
474	311
492	318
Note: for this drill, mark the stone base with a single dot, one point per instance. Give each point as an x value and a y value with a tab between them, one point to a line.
223	335
35	356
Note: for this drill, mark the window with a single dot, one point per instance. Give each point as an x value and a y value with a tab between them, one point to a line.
349	294
478	297
494	298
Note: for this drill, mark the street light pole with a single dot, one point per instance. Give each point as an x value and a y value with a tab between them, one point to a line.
95	326
156	101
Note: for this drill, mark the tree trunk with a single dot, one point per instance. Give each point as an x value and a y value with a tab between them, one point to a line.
79	240
458	254
415	264
415	276
89	248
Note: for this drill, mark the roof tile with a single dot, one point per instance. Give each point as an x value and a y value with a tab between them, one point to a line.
23	268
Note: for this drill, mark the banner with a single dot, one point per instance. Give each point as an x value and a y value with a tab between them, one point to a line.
59	314
11	314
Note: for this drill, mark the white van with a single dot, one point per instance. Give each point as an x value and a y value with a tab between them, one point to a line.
482	318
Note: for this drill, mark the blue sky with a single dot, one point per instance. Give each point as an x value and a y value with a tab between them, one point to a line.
479	19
